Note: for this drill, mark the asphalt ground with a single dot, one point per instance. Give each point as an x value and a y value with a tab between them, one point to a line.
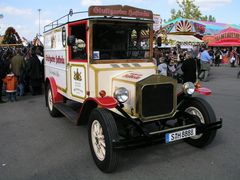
33	145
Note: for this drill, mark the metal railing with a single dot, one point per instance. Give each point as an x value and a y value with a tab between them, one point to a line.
71	16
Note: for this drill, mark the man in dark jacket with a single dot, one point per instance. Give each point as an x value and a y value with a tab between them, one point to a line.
2	74
5	56
189	69
17	63
17	67
35	74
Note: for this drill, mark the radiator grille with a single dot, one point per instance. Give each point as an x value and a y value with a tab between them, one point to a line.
157	99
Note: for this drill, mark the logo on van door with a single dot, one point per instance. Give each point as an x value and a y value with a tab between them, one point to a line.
78	81
77	76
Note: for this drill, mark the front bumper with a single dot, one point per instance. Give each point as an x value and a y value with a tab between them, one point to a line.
159	136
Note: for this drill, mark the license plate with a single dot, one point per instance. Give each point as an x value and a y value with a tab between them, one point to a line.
186	133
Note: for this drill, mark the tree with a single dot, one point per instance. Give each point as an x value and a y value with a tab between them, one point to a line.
211	18
208	18
188	10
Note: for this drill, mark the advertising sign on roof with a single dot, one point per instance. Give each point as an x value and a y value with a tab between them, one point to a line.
157	22
118	10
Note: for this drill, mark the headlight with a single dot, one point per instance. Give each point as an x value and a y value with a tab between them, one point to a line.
121	94
188	88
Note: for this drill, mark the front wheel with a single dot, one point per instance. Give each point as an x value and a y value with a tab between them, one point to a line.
202	109
102	132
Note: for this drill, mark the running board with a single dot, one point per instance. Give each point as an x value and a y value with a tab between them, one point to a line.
67	111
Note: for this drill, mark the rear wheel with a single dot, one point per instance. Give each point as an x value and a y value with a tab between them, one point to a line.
200	108
102	132
49	98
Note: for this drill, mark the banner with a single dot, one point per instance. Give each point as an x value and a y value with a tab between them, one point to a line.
157	22
118	10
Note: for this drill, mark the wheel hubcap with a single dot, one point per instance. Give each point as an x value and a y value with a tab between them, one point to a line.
98	140
196	112
50	101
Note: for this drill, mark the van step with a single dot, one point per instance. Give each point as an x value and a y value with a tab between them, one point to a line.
67	111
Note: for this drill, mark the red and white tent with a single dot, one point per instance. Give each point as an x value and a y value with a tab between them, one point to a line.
226	38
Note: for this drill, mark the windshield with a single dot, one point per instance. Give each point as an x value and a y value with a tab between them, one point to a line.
120	41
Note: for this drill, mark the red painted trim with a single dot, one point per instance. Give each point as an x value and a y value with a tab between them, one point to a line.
77	22
57	97
106	102
203	91
69	34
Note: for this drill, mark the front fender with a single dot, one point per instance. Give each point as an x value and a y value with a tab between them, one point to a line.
91	103
105	102
204	91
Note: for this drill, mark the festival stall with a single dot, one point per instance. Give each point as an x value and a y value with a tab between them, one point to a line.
229	37
195	27
180	32
185	41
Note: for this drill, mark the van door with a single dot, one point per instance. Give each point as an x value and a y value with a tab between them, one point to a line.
77	65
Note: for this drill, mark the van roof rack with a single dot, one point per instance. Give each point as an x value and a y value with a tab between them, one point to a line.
71	16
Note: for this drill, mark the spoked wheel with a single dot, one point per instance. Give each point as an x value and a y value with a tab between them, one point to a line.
49	98
98	140
102	131
200	108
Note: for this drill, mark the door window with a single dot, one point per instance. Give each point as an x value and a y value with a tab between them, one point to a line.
78	51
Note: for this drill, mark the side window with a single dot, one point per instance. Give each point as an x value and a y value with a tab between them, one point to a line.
139	43
79	49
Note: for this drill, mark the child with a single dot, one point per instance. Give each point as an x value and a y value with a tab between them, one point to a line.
171	68
11	86
162	67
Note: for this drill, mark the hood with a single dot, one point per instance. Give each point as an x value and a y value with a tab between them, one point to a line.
129	80
132	76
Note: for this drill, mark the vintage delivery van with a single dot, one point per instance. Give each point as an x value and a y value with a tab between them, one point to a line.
99	72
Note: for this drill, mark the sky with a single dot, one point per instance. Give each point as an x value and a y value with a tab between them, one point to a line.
23	15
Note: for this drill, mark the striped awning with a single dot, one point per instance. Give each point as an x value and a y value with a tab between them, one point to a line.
184	39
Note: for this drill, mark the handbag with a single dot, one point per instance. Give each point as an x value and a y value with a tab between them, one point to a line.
232	59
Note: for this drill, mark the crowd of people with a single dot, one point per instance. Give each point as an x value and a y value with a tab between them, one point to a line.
21	71
193	64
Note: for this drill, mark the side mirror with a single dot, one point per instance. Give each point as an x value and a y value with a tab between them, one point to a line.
159	41
71	40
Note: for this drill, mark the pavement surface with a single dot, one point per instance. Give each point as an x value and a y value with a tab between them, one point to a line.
33	145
